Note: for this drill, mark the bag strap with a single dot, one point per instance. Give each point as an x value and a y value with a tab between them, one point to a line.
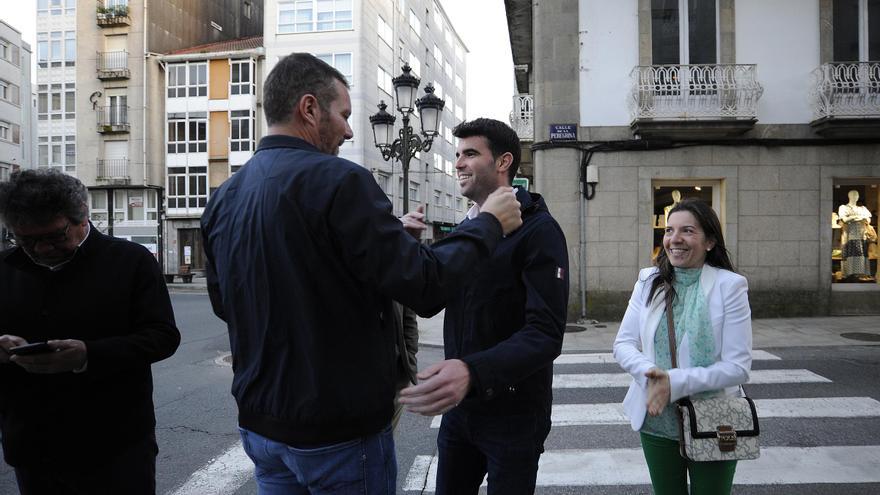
673	352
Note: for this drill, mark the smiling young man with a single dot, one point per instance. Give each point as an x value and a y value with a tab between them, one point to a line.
502	331
79	418
304	259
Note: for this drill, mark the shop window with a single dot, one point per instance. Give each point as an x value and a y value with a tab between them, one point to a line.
854	249
669	193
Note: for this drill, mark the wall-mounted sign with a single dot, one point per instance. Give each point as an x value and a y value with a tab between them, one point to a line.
522	182
136	201
563	132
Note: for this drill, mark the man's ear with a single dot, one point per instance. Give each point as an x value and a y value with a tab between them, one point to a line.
308	110
504	162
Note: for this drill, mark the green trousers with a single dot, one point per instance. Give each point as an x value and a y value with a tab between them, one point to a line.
669	470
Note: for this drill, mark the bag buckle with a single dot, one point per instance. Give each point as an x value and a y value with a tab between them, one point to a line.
726	438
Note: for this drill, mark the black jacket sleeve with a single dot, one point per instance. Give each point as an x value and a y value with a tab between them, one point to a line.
152	333
382	254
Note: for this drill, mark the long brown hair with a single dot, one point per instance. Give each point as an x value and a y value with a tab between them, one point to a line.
717	256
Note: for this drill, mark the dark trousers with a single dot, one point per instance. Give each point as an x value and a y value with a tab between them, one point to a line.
131	470
506	448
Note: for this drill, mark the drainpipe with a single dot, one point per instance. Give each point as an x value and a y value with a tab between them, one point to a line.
582	262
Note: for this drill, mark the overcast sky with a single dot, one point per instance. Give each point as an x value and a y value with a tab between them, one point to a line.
481	24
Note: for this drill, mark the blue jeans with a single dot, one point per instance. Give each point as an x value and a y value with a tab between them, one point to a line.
363	466
506	447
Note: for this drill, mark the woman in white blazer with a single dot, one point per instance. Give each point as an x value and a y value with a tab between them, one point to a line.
714	345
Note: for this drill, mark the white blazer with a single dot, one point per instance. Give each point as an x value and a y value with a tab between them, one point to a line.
727	297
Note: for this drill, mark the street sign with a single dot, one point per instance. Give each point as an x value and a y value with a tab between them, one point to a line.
563	132
521	182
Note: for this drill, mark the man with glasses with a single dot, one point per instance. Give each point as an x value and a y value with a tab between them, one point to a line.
77	415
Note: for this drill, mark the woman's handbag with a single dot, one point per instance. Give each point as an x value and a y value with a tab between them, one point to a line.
718	428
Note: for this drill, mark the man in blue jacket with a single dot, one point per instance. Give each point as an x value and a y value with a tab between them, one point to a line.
502	331
304	257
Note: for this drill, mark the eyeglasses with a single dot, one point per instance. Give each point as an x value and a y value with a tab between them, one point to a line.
55	238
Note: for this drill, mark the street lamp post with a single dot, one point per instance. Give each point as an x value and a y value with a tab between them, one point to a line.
405	147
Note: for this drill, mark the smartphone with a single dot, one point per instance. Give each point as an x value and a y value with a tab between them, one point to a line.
28	349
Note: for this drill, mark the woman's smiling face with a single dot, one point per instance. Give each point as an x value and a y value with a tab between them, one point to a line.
685	241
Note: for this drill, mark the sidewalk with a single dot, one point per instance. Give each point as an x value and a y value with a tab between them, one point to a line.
598	337
769	332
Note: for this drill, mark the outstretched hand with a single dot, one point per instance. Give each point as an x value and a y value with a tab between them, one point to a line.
444	385
658	390
414	222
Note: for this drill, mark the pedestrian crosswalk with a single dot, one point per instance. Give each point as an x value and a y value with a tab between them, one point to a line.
790	455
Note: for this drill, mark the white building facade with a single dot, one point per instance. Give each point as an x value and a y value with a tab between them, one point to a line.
769	111
17	119
369	41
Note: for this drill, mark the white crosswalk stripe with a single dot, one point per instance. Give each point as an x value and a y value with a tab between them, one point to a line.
607	358
606	380
776	466
821	407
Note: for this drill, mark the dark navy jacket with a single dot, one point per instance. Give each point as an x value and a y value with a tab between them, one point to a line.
304	257
507	322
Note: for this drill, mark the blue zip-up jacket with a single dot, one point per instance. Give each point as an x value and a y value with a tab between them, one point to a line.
507	322
304	257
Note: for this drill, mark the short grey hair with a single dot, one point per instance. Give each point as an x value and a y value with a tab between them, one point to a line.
36	197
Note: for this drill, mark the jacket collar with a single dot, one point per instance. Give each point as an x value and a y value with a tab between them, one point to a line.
285	141
19	259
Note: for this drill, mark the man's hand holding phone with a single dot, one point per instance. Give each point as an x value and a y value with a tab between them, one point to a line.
7	342
54	356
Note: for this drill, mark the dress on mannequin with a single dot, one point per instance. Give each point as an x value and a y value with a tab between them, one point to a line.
676	199
853	239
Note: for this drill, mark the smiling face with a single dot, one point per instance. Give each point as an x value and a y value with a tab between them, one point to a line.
334	128
478	172
685	241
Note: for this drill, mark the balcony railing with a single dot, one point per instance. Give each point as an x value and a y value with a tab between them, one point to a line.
113	119
848	90
113	169
113	65
695	92
112	13
522	118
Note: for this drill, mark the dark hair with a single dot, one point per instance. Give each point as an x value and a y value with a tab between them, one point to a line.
36	197
293	77
717	256
501	138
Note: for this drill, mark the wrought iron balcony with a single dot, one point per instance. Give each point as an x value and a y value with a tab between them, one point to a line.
112	65
702	100
113	119
114	169
522	118
112	13
846	99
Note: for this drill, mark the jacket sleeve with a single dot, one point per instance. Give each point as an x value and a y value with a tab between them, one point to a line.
411	338
535	345
214	294
736	347
378	251
628	343
153	334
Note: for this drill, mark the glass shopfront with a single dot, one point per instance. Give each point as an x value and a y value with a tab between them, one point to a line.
667	193
854	248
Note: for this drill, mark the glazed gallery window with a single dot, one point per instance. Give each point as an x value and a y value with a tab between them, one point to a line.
56	48
241	132
340	61
187	79
854	248
187	187
56	101
303	16
187	133
669	193
241	81
58	152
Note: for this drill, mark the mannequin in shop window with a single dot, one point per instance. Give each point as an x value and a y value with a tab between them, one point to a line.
676	199
854	221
